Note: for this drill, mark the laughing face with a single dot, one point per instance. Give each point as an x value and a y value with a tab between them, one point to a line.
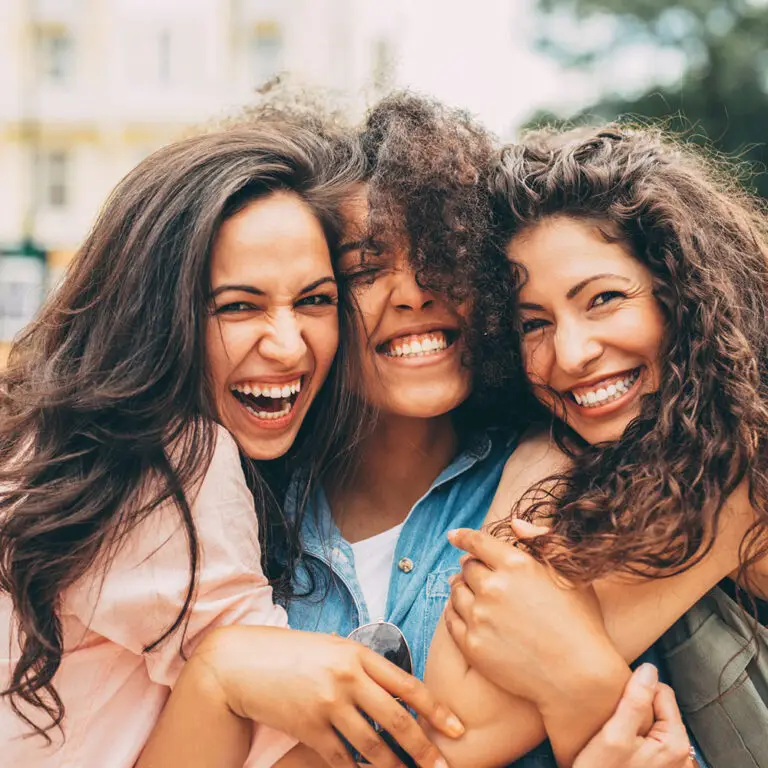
273	330
592	329
409	338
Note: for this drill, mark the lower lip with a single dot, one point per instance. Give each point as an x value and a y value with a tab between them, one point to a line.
596	411
413	361
273	424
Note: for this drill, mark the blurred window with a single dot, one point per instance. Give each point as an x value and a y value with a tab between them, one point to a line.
55	182
265	52
384	61
164	56
55	55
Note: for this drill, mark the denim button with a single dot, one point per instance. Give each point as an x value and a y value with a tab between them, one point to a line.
405	564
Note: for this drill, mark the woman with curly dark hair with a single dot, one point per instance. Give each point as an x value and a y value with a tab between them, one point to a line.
194	331
642	287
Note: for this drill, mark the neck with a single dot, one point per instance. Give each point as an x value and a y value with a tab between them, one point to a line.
397	463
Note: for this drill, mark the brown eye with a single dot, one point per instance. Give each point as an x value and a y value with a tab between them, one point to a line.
606	296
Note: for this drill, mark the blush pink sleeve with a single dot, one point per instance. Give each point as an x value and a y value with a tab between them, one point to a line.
146	582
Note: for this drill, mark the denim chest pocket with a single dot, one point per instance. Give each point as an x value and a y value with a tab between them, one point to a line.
438	592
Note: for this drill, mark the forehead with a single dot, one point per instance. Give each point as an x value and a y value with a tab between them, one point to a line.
563	247
272	239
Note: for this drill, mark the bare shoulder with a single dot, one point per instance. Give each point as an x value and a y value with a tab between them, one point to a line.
536	458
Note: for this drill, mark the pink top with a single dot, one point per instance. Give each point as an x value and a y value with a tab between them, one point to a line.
113	693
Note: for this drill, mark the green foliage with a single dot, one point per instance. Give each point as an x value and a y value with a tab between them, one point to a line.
722	97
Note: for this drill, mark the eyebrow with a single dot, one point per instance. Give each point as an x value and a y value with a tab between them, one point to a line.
573	292
576	289
258	292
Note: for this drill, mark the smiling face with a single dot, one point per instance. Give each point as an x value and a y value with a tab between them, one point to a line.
409	339
592	329
273	330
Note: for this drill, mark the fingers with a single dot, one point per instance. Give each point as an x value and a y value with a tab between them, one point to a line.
635	708
333	752
524	529
665	707
474	574
413	692
457	627
668	730
397	721
362	736
493	552
462	599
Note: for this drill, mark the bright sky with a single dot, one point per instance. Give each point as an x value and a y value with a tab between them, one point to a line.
479	54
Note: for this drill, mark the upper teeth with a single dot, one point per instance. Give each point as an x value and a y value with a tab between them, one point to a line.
605	393
416	345
268	390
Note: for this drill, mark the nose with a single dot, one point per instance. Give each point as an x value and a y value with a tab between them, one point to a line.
406	291
283	341
576	348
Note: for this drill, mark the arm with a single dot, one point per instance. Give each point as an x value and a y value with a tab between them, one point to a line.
198	729
636	612
501	725
310	685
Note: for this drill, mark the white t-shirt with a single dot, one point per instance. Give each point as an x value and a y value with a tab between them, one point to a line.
373	564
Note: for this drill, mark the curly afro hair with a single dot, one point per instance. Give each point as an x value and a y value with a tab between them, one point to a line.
429	169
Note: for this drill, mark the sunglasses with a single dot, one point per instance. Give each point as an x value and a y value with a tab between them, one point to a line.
388	641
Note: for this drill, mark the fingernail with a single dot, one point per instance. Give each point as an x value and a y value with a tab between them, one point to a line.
452	579
452	534
648	675
440	763
454	725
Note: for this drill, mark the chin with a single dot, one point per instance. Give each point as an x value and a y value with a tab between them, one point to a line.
427	405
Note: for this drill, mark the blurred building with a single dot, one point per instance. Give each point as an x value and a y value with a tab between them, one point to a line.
90	87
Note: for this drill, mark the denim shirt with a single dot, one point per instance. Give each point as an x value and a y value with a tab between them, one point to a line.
329	597
424	558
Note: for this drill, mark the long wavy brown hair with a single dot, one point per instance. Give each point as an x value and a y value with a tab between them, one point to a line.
650	502
113	372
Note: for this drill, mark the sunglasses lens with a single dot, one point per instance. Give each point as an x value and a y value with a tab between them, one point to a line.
388	641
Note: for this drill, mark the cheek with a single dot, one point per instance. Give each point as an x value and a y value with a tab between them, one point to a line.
538	358
322	335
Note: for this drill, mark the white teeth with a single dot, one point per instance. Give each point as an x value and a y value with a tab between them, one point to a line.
271	416
417	346
268	390
605	394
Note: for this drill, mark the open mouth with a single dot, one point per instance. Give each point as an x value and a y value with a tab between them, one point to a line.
268	401
418	345
609	390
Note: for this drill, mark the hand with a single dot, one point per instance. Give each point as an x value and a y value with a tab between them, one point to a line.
517	625
310	685
619	743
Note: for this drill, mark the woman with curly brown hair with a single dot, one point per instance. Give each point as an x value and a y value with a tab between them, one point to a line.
642	288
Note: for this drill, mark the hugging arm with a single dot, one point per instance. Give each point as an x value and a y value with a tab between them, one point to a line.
497	609
309	685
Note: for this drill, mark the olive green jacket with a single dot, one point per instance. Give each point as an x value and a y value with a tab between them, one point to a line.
718	667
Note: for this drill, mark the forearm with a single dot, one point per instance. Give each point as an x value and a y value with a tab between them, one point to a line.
197	729
501	727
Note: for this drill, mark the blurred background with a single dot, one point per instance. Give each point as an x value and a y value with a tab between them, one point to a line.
90	87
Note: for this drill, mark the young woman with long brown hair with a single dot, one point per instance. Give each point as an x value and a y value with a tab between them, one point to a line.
194	332
642	287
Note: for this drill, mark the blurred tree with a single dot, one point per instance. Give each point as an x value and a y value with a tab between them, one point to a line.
721	95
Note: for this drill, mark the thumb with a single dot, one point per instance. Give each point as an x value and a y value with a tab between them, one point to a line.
635	709
526	530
